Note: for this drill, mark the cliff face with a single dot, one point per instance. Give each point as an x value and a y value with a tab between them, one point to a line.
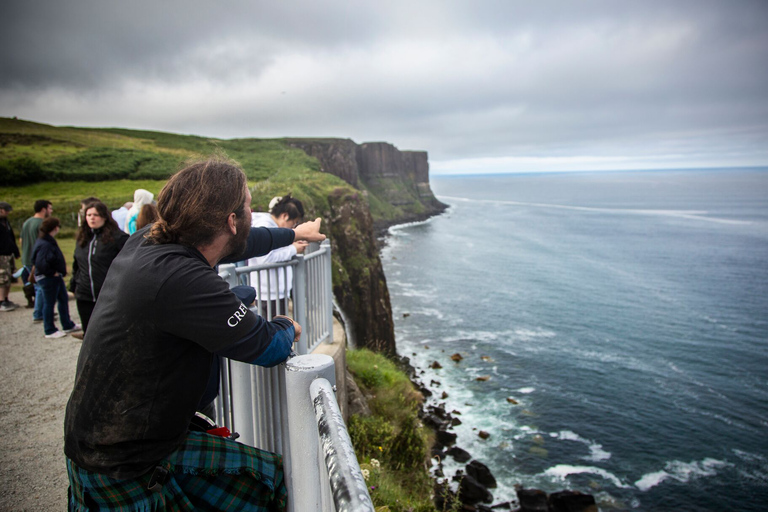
397	181
392	187
359	284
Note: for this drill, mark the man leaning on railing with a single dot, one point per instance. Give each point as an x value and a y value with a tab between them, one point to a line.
162	315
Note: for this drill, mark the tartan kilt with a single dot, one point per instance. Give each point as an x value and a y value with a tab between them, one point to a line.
206	473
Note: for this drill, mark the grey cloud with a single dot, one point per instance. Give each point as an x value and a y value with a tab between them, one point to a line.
460	79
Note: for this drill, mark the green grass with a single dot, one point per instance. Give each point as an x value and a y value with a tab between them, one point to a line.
391	444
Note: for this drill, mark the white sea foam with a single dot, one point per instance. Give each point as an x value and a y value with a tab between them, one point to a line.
596	451
526	391
561	471
680	471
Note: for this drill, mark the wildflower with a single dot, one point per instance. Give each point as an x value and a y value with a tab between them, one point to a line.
381	449
366	474
375	463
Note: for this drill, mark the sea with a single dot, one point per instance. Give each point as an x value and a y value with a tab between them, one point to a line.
612	328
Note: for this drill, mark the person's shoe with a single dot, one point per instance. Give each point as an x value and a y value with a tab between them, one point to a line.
78	335
54	335
77	327
7	305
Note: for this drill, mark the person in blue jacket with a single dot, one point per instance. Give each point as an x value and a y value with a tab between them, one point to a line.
162	316
50	267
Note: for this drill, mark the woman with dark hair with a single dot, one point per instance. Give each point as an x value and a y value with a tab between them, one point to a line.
99	239
147	215
49	270
274	286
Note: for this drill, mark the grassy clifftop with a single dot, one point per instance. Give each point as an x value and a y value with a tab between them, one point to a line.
66	164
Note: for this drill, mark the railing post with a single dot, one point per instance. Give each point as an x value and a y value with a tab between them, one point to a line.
228	272
328	268
300	300
305	483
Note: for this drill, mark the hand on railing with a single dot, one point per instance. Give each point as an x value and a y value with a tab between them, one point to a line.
296	327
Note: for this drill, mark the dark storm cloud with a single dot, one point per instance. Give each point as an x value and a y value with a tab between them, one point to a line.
673	81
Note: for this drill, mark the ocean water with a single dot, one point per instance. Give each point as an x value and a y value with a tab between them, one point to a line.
625	314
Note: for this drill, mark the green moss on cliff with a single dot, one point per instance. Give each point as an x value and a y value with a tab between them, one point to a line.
391	443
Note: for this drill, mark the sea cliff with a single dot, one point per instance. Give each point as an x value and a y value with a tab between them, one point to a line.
390	187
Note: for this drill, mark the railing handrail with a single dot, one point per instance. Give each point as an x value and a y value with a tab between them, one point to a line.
350	493
312	291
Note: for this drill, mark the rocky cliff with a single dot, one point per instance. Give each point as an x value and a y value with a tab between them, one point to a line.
395	182
390	187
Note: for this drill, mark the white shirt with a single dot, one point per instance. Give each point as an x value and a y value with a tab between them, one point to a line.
278	288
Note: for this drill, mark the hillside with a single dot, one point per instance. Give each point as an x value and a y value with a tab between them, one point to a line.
356	189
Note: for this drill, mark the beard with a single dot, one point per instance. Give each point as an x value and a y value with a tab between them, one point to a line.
237	244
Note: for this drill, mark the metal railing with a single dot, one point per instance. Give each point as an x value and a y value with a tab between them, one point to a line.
312	291
291	409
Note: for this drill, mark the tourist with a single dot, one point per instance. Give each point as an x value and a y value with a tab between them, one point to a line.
99	240
8	252
147	215
49	270
274	286
162	316
140	198
29	233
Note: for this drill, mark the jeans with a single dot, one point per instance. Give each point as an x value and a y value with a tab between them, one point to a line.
55	292
37	313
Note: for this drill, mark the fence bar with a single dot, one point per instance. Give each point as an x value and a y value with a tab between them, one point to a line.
350	494
300	301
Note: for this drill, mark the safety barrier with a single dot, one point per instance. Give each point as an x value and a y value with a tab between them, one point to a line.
291	409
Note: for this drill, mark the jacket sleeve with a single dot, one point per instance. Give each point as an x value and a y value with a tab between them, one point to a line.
261	241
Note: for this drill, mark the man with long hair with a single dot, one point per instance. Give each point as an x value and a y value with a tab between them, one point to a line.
162	315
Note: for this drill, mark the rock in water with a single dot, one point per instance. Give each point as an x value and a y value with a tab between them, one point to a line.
532	500
483	434
483	378
435	365
445	438
456	357
459	454
471	491
571	501
481	473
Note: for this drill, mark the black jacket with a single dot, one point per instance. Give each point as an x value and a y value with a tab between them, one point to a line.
89	269
8	239
48	258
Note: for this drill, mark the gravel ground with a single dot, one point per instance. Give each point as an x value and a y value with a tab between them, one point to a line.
36	378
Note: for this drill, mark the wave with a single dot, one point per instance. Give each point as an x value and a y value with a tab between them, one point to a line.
700	215
682	472
561	471
597	453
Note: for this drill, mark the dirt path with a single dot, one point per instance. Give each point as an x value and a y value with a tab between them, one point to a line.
36	377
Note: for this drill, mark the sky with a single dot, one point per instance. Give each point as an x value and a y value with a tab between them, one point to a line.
483	86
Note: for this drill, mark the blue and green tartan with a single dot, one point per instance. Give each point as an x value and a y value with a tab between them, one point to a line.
206	473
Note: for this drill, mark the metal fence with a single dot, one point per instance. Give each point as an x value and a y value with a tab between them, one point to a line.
311	292
291	409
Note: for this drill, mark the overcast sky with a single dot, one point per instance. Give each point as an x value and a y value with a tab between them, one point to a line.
483	86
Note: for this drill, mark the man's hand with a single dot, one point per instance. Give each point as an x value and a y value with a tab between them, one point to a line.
296	327
309	231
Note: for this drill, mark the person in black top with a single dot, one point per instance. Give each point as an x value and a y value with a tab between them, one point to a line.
162	315
50	267
99	240
8	251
